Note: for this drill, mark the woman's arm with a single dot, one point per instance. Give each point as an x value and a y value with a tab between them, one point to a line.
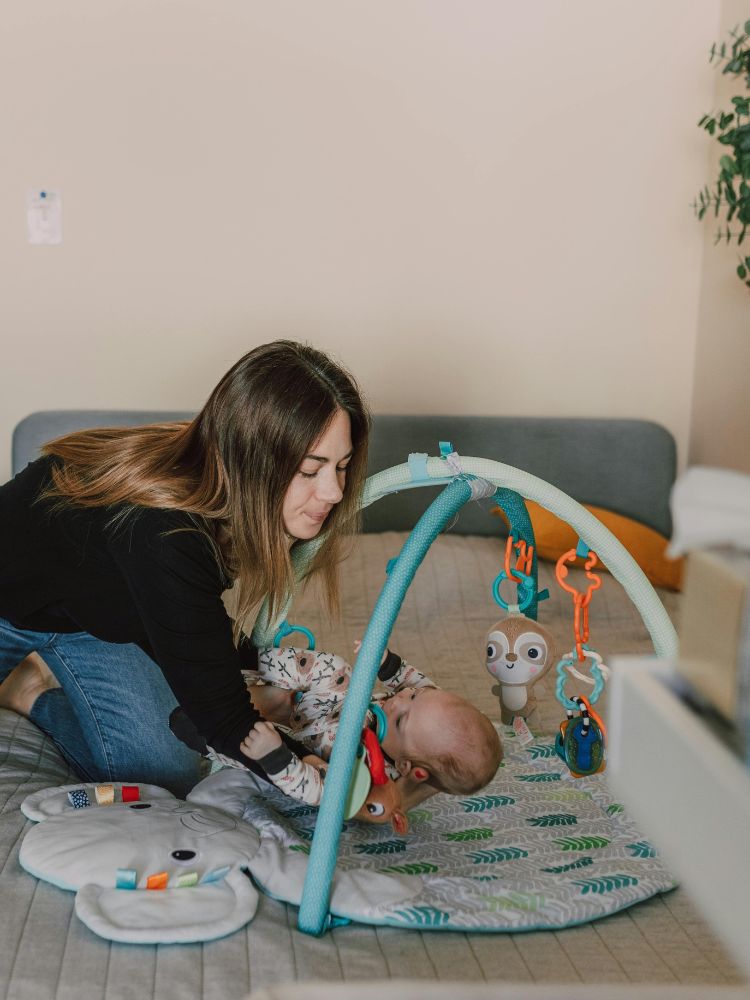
176	586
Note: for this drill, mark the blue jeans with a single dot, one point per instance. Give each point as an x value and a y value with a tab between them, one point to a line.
109	717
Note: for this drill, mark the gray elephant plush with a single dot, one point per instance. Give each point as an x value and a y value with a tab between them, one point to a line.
150	869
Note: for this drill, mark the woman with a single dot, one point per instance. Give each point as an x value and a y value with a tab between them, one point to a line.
115	548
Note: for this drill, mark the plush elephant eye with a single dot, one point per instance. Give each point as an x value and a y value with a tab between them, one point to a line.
491	651
141	805
183	856
375	808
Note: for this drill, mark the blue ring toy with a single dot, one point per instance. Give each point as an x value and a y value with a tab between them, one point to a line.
562	678
380	719
526	590
286	629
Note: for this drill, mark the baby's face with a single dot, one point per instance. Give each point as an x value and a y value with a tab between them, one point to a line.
415	721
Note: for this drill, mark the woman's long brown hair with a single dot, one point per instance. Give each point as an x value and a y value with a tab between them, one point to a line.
231	466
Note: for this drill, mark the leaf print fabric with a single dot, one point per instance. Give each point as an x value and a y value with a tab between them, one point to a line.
535	849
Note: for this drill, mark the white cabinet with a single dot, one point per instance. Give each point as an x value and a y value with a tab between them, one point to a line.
687	791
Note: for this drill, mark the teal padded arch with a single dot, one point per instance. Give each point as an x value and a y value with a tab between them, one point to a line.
612	553
313	915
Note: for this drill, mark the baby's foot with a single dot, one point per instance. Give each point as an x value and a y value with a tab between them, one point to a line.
25	683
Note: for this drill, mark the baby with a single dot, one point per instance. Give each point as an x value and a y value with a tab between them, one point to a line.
430	735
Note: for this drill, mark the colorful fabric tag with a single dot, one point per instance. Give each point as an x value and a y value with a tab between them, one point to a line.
131	793
216	875
158	881
522	731
78	798
127	878
186	880
105	795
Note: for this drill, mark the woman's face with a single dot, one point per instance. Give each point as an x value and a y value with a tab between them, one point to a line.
318	484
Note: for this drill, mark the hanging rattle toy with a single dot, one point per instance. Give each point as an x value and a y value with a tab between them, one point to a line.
519	651
581	741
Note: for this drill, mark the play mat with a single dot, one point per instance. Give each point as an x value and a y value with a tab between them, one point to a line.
535	849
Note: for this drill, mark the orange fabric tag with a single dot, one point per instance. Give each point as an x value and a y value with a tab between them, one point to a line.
158	881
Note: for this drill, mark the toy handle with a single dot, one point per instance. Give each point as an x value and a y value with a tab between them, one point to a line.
286	629
525	588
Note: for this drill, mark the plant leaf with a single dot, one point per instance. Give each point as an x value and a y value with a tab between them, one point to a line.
554	819
475	833
481	803
607	883
382	847
424	916
581	843
498	854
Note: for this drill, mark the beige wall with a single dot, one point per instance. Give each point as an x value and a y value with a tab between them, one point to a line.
720	433
479	206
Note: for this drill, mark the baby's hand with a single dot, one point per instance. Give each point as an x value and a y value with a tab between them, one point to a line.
358	646
262	739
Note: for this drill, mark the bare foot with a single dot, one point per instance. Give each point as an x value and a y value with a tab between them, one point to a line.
25	683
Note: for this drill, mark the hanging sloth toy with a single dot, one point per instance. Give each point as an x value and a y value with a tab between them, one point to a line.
519	652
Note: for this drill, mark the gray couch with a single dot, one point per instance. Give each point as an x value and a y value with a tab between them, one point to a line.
627	466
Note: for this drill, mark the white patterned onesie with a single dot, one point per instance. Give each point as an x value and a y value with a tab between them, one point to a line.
321	681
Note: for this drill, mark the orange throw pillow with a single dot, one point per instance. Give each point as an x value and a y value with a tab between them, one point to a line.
646	546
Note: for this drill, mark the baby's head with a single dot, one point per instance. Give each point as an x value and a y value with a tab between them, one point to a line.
442	736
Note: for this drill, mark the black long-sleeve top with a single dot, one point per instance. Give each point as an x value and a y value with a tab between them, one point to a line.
69	570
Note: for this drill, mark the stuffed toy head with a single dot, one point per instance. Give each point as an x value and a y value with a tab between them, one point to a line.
145	866
519	652
374	797
384	805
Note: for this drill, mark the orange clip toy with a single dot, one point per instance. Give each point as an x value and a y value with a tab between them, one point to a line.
580	601
524	561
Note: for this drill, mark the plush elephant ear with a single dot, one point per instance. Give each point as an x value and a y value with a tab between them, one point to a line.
168	916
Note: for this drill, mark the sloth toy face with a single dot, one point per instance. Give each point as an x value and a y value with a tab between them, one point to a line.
516	659
518	652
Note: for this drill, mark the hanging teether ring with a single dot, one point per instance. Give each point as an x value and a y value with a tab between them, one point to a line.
599	672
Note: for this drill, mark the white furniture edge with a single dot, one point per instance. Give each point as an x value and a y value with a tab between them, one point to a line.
686	790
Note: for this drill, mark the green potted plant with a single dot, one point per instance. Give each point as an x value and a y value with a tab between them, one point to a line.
730	197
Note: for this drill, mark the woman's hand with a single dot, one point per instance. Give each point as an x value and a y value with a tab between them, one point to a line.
261	740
